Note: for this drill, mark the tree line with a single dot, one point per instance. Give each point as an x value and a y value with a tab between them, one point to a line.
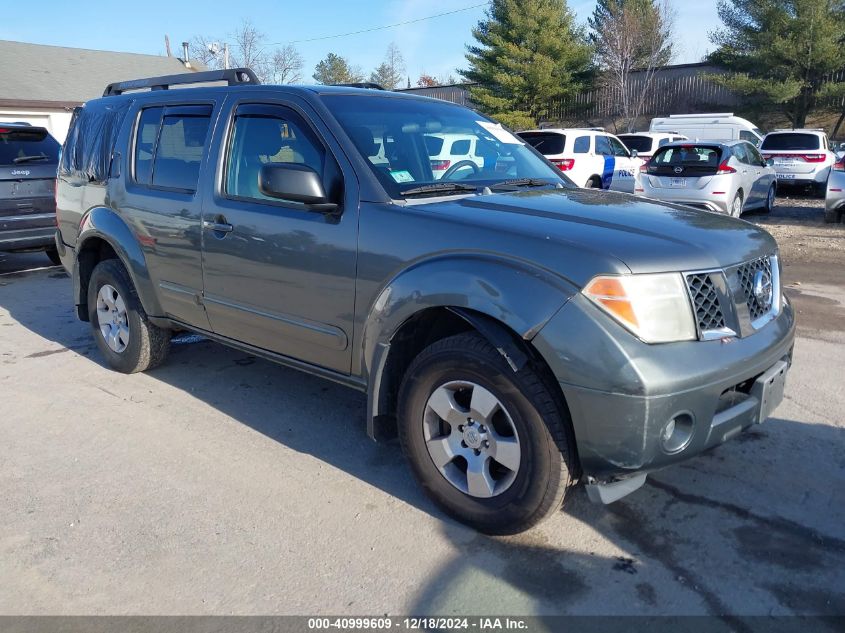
528	54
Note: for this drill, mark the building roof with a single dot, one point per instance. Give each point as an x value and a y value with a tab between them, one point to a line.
42	75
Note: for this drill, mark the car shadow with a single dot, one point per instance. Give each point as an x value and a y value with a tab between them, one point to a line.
663	534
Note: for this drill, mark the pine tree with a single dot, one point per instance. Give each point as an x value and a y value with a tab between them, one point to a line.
780	51
335	69
390	72
528	54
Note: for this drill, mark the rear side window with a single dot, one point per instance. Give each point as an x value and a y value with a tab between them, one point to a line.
169	146
23	145
460	148
88	148
603	146
545	142
640	143
790	141
582	145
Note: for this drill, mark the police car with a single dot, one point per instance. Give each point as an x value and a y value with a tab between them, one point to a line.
590	157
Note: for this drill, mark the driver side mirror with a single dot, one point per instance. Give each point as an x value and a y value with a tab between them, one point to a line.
634	153
295	182
770	162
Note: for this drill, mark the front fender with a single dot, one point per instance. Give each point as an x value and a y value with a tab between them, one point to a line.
104	224
519	295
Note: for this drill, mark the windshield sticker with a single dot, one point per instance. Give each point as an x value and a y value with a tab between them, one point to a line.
401	175
501	134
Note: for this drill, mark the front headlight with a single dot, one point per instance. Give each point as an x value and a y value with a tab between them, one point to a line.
655	307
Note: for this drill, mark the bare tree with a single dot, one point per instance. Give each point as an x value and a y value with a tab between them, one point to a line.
631	35
391	71
248	48
286	65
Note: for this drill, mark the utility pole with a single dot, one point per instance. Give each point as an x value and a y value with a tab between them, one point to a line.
167	45
225	56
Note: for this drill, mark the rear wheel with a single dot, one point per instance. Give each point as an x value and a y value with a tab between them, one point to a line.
736	205
124	334
820	189
770	200
832	216
594	183
488	445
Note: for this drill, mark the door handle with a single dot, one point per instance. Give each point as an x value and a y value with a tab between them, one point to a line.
217	227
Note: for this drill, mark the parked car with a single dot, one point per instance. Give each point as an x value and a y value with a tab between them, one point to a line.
646	143
801	157
455	152
28	160
518	334
726	177
589	157
720	126
834	205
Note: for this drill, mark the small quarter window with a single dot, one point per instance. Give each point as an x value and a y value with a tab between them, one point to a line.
145	141
460	148
582	145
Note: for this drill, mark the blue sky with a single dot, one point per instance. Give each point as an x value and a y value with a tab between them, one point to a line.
434	46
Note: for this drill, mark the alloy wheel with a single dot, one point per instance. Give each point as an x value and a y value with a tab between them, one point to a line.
112	318
471	439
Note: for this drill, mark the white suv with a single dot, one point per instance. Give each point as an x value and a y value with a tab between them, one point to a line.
445	151
801	157
591	158
646	143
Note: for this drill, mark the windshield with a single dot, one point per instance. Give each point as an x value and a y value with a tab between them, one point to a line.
640	143
31	145
790	141
396	136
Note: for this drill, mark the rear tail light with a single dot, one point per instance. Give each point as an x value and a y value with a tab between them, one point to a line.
440	165
840	165
644	168
563	164
56	199
814	158
724	169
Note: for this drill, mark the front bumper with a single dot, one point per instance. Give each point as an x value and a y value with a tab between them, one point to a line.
622	393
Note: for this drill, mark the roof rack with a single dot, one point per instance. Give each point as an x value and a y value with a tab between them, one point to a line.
232	76
370	85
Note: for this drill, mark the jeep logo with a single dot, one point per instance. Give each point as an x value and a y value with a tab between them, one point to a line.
20	172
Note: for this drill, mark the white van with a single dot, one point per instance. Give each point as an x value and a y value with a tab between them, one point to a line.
709	127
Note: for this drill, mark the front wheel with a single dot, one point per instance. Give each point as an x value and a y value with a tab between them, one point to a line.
488	445
124	334
53	253
770	200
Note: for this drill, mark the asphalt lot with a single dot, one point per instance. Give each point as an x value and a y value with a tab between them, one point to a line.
223	484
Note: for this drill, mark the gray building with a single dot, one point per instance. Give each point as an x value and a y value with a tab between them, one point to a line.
42	84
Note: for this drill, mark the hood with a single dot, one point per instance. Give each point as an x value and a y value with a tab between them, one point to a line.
645	235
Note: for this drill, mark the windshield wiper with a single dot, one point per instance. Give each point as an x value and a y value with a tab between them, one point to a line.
27	159
515	183
440	187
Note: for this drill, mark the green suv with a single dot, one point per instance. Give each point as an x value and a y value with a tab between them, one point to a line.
516	333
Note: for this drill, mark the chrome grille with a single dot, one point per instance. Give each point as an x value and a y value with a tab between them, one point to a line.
705	300
745	276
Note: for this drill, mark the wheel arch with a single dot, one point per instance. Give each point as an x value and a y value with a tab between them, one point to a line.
506	303
104	235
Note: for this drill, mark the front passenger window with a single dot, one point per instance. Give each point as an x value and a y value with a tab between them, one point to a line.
265	135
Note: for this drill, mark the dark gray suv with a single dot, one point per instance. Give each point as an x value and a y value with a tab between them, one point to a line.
518	334
28	160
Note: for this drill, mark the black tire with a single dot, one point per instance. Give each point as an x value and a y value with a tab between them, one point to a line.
53	254
148	344
820	189
543	427
594	183
770	200
739	197
832	216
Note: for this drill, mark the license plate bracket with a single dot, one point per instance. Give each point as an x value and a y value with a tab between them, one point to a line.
769	388
677	183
